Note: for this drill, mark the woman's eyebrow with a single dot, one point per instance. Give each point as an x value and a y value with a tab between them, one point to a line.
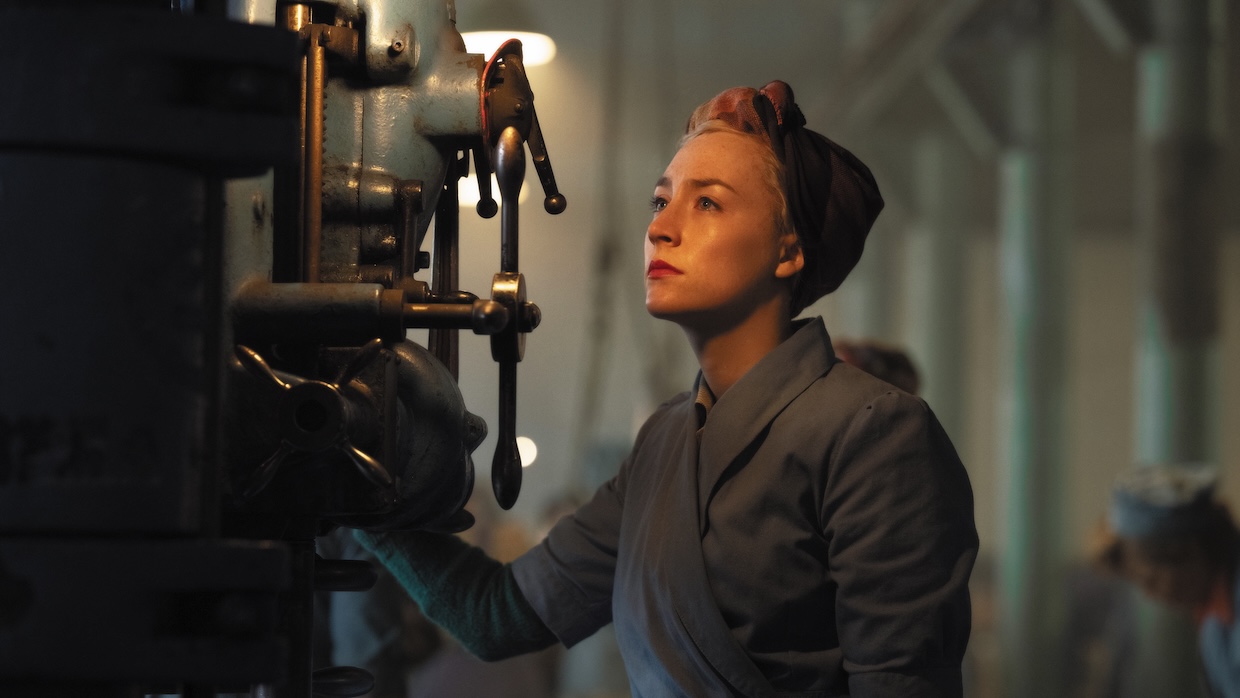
698	184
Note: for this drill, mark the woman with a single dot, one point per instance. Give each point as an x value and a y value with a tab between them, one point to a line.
1169	536
792	525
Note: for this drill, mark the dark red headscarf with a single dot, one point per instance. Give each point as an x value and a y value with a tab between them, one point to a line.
831	194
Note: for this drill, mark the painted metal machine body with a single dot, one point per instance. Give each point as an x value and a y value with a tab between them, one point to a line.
212	231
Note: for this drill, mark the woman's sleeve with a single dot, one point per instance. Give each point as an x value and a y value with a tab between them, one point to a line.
898	514
463	590
569	577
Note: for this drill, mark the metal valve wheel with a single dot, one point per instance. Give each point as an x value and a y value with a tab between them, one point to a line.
314	417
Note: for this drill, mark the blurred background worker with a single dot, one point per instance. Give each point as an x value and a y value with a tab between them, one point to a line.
1167	534
883	361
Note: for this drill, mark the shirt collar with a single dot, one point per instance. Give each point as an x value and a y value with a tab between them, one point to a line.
702	403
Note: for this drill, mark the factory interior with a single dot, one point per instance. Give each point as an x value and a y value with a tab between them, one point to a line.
1059	255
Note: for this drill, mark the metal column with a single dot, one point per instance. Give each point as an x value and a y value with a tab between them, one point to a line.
1177	361
936	251
867	302
1033	239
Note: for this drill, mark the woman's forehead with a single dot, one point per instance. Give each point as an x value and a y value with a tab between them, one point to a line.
716	155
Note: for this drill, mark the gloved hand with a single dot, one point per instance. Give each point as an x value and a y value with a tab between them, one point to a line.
463	590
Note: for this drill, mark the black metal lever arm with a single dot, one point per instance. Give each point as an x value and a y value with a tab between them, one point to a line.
508	101
508	346
509	122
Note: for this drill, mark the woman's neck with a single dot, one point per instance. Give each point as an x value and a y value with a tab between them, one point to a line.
726	353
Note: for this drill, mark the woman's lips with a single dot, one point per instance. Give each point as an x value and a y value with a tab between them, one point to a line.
659	269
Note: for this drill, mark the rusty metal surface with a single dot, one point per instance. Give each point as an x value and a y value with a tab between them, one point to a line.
331	313
445	343
392	47
316	77
296	16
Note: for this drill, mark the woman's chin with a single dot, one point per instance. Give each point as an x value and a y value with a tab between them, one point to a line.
662	309
656	312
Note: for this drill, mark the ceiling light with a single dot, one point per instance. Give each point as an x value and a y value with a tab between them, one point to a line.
527	449
486	24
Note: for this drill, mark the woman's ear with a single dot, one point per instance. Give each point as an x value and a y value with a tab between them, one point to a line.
791	257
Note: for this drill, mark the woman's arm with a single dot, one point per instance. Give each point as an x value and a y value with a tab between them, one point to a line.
464	591
899	517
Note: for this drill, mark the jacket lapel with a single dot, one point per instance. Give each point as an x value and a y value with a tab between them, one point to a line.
682	572
734	423
746	410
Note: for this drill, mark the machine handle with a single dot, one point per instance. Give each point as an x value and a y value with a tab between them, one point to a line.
508	346
506	465
508	102
314	416
487	208
508	123
510	173
554	203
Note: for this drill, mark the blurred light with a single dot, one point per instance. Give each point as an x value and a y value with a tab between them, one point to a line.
486	24
467	192
527	449
536	49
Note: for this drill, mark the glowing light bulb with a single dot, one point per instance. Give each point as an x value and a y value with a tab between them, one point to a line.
528	450
536	49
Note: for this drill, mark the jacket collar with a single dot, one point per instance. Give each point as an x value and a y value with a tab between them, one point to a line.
741	414
733	423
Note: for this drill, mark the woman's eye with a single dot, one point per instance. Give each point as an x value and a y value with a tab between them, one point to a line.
657	204
707	203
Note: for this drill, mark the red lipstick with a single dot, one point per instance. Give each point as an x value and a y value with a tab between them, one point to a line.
659	269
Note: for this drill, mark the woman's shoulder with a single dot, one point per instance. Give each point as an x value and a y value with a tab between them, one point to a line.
671	412
852	389
676	401
847	403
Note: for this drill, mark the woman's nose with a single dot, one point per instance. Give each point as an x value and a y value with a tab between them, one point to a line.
663	228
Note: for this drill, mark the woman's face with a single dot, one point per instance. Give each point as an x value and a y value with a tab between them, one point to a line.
1184	583
713	251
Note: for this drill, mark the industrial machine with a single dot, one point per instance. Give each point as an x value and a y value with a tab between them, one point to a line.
212	228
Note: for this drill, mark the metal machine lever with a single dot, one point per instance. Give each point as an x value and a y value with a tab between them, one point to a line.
482	168
510	173
508	347
509	102
482	316
554	203
509	122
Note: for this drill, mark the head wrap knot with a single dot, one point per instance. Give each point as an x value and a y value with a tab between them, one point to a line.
832	197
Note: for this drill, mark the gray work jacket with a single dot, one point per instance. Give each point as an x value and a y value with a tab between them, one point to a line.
819	544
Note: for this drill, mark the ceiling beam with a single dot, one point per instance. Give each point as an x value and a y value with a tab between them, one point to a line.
903	41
